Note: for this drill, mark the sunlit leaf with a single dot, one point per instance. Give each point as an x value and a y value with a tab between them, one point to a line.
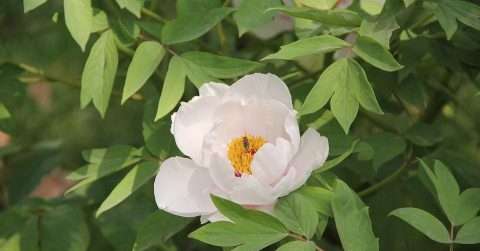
99	73
194	18
173	87
308	46
251	14
146	59
79	20
29	5
375	54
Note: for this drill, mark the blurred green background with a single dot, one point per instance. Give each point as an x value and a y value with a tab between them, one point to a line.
42	141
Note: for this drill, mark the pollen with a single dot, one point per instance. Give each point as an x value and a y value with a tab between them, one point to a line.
241	151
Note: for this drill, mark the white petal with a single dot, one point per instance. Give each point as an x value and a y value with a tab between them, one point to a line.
246	189
191	123
291	127
267	119
213	89
271	161
250	191
286	184
312	154
183	188
262	86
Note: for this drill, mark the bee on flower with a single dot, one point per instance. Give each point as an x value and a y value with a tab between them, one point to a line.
243	144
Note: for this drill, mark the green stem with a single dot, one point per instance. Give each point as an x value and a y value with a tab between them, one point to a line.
153	15
392	177
33	70
451	236
221	37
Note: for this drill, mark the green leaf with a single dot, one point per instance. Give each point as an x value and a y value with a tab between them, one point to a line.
222	233
152	28
99	73
29	5
251	230
114	155
343	104
466	12
382	154
100	21
362	87
375	54
159	141
138	176
352	220
297	246
297	214
323	89
194	18
146	59
244	236
380	29
308	46
125	29
158	228
408	2
197	74
468	206
11	221
4	113
219	66
459	208
318	197
104	162
79	20
372	7
251	14
134	6
329	164
447	189
24	240
335	17
64	229
469	233
347	82
423	134
240	215
173	87
446	19
423	222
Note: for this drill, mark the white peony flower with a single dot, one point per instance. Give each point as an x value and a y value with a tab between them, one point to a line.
244	145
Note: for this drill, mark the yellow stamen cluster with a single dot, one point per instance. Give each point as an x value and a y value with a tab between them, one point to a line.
241	151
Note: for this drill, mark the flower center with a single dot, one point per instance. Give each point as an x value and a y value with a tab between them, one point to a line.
241	151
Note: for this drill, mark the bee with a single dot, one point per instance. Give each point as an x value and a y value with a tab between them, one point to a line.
246	144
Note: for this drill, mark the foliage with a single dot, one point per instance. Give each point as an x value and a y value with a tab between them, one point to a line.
394	85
